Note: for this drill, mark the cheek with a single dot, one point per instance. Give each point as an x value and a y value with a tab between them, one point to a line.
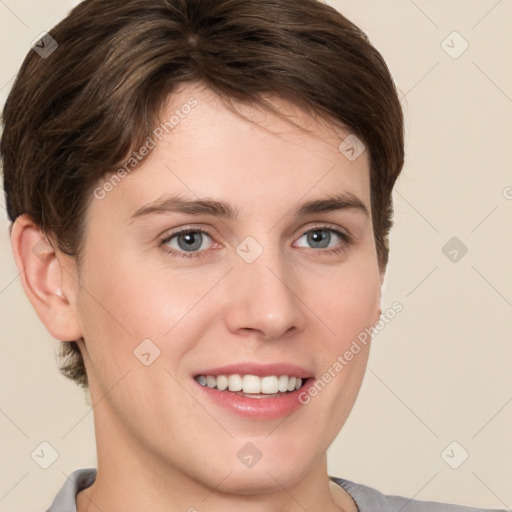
347	308
347	304
125	302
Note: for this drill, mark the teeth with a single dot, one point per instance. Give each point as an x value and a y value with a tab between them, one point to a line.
235	383
269	385
222	382
282	384
252	384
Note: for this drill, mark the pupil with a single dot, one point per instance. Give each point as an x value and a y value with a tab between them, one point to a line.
190	242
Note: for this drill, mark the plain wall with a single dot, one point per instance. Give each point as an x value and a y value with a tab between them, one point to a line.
440	370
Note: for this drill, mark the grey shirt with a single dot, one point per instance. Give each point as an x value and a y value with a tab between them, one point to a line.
366	498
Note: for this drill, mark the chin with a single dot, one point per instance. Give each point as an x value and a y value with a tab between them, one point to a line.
262	479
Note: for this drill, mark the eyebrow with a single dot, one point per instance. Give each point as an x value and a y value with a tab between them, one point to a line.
205	206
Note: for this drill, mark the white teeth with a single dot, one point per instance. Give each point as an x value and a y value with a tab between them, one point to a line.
269	385
251	384
211	381
235	383
282	385
222	382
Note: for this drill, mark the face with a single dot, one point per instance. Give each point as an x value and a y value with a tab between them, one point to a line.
262	286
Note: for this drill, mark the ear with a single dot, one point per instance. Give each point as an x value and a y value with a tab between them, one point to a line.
382	275
48	277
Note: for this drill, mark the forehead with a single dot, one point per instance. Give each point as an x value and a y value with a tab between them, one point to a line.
261	165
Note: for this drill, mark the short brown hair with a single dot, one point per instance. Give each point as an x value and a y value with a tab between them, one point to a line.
72	117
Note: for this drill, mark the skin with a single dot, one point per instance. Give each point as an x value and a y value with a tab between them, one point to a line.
161	445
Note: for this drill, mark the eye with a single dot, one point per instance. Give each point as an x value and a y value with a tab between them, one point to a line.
187	240
320	237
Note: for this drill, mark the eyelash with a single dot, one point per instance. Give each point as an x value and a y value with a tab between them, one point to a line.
346	240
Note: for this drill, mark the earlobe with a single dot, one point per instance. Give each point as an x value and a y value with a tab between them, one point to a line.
48	285
382	277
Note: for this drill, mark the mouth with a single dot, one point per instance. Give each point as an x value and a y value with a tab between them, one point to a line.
252	386
255	391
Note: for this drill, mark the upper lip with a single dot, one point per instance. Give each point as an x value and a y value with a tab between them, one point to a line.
258	369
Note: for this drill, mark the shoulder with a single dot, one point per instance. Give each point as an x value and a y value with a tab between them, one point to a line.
65	499
369	499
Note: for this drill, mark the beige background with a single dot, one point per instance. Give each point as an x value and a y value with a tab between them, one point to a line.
440	371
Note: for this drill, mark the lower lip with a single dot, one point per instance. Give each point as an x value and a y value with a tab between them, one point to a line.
258	408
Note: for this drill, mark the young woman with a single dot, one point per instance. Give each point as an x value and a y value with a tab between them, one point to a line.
200	197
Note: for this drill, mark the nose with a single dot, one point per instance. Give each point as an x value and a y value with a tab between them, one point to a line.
264	298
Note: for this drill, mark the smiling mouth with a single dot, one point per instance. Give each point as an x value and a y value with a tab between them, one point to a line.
252	386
